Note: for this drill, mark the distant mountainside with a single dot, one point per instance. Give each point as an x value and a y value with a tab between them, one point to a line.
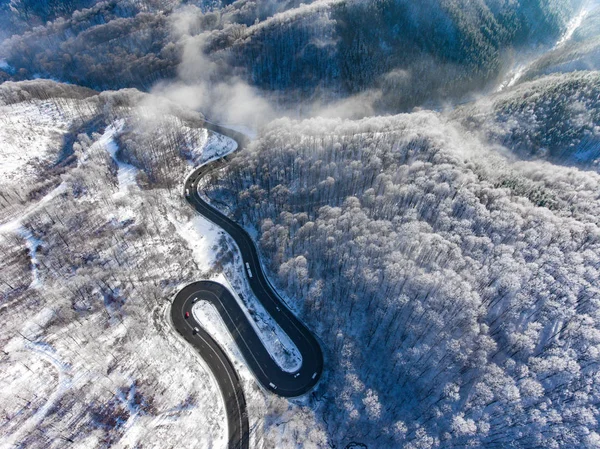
554	117
405	53
581	52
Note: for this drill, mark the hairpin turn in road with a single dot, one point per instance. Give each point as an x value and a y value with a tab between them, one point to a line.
258	359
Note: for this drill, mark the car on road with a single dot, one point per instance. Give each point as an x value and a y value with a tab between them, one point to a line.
195	300
296	375
272	385
187	315
195	331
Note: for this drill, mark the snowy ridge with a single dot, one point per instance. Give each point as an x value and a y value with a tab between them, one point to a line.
521	68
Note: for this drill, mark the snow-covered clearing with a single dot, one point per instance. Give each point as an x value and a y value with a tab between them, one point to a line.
201	237
126	173
216	146
32	137
206	314
30	133
32	245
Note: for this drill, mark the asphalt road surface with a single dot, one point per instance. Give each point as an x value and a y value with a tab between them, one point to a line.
222	368
264	368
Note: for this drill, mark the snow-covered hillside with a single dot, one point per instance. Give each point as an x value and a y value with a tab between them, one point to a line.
31	135
89	356
463	280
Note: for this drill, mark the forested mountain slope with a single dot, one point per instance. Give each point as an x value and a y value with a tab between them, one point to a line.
580	52
404	53
554	117
455	291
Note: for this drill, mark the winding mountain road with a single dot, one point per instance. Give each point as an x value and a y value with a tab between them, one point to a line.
257	357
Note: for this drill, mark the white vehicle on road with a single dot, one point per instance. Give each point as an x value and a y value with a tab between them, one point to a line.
272	385
248	269
187	192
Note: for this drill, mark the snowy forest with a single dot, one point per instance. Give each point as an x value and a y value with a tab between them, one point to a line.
464	284
290	51
421	181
